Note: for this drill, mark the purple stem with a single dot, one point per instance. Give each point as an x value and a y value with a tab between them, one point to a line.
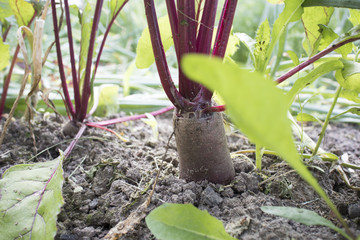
174	23
203	41
187	44
160	59
12	65
221	40
106	35
7	80
60	61
87	80
220	108
225	24
129	118
72	59
313	59
7	32
71	146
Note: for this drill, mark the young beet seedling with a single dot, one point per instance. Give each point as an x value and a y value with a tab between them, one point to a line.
198	125
83	76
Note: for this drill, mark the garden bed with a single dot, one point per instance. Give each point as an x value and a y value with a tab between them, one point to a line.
107	179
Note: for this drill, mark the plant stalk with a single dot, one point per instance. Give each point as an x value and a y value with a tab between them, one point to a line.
203	41
160	59
81	115
328	116
221	40
316	57
68	102
72	58
333	3
71	146
187	44
6	32
106	35
130	118
174	24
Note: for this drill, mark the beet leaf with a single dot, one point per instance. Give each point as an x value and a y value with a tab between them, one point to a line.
30	200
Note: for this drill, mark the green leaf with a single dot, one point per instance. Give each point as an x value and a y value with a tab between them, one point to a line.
86	26
311	18
292	12
254	103
354	16
232	45
262	44
294	58
5	10
328	38
151	121
329	156
22	10
255	106
349	76
353	110
305	117
350	95
184	222
249	44
107	99
303	216
302	82
4	54
30	200
115	5
144	54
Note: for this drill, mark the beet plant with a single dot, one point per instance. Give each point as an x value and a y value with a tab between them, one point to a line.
198	127
83	75
260	109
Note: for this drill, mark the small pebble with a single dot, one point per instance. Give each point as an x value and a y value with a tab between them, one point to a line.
354	210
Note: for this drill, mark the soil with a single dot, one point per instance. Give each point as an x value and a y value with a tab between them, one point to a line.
107	179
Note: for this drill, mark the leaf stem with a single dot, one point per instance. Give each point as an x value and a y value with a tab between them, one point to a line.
6	32
71	146
174	24
60	61
72	58
221	40
224	29
333	3
187	44
219	108
328	116
203	41
87	80
106	35
315	58
160	59
130	118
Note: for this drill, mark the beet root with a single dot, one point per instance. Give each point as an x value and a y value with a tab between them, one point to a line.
202	148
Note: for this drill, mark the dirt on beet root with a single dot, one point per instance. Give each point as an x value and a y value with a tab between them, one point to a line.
106	179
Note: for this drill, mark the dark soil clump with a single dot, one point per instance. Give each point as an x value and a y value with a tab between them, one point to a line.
106	179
